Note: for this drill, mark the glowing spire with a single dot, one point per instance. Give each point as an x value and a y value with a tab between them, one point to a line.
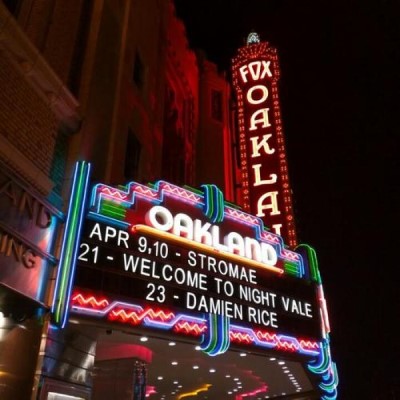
253	38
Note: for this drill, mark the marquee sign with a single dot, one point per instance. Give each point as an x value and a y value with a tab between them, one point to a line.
266	191
187	261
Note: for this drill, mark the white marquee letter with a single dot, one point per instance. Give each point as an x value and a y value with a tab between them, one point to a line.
243	72
254	119
264	94
256	146
273	206
257	176
183	226
160	218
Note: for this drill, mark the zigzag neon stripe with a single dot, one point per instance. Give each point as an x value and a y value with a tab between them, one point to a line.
188	324
66	268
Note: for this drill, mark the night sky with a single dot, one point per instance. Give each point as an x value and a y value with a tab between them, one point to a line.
339	93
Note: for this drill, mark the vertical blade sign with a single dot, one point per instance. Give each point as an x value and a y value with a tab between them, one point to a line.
266	190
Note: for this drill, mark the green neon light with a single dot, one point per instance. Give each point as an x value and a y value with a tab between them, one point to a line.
214	203
323	364
312	263
70	244
333	384
218	335
291	268
113	210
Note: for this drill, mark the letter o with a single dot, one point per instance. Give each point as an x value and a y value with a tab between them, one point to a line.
160	218
264	94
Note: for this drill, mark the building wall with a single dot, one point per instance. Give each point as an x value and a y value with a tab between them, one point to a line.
36	113
213	141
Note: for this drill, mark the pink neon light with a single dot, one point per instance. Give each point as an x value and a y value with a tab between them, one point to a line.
241	216
240	337
185	194
190	328
145	191
270	237
262	389
135	318
150	390
91	300
290	255
114	193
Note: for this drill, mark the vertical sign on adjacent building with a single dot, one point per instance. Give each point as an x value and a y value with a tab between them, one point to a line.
266	190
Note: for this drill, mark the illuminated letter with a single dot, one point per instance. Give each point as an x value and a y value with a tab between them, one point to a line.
253	249
166	220
96	231
257	177
201	233
264	94
264	119
266	69
243	72
277	228
263	143
255	70
269	255
183	226
235	243
273	206
216	238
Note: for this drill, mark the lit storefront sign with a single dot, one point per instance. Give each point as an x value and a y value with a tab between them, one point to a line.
186	262
265	183
171	257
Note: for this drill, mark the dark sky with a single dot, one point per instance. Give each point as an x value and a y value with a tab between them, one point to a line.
339	94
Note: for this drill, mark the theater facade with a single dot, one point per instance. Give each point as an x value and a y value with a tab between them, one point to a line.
148	244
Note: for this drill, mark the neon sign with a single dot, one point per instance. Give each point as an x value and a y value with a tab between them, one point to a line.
185	250
265	183
187	262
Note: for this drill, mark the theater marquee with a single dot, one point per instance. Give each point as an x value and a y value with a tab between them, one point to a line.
187	262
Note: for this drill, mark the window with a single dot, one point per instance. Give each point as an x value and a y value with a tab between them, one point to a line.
216	105
132	157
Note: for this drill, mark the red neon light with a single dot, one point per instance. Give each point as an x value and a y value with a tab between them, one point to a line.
190	328
266	190
181	192
116	194
135	318
240	337
77	298
145	191
262	389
